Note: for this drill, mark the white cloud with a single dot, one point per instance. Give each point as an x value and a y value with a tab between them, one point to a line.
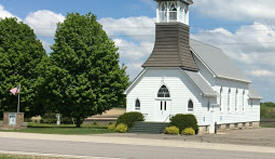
132	51
46	45
237	9
139	28
135	38
250	44
44	22
6	14
262	73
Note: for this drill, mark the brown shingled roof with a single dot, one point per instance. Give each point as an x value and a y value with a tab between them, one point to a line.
172	48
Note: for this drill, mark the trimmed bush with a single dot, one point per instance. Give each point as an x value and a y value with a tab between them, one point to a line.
183	121
188	131
172	130
111	127
130	118
121	128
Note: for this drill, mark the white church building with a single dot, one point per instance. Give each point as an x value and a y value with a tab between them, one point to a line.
191	77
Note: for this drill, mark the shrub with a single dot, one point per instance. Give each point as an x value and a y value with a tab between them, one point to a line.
111	127
130	118
172	130
121	128
49	118
183	121
188	131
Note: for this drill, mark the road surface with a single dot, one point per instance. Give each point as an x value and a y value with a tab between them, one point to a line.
124	151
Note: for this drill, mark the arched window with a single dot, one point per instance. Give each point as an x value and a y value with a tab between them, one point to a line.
137	105
228	99
221	99
190	105
163	92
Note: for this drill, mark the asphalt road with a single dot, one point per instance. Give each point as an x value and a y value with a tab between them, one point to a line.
121	151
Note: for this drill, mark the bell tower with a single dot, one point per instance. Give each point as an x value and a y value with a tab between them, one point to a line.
173	11
172	48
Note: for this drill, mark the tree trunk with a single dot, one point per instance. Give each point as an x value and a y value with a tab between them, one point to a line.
78	122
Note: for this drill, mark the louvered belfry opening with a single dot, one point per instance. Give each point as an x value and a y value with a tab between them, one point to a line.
172	47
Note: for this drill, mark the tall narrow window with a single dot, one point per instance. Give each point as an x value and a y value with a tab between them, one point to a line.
221	99
137	105
228	99
243	99
163	92
236	100
208	105
190	105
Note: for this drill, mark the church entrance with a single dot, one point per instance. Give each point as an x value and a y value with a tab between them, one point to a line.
162	110
163	105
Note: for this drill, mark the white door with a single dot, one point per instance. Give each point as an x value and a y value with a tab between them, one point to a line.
162	110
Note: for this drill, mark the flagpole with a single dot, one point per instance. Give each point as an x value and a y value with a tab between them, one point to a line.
18	104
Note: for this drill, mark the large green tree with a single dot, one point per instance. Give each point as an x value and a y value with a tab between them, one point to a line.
84	77
20	53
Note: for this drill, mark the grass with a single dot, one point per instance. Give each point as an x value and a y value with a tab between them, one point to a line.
2	156
65	129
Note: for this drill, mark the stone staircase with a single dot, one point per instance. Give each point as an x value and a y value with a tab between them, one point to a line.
148	128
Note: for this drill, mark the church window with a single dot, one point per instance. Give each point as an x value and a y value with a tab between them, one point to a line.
137	105
236	100
228	99
163	92
190	105
221	99
243	99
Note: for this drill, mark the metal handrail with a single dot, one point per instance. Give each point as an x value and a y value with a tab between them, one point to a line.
168	117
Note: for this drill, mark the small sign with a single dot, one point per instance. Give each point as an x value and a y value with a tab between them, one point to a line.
12	119
58	117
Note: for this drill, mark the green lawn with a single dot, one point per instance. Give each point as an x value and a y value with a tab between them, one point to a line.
25	157
63	129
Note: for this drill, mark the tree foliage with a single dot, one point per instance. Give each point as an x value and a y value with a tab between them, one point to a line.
83	76
20	54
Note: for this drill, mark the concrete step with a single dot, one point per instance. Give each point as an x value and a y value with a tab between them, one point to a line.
148	127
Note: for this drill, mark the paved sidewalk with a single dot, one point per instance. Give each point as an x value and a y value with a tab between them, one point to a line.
137	141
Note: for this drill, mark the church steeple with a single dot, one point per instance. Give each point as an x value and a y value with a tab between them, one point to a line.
173	11
172	48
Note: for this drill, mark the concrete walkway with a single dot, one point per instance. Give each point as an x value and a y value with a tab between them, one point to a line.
121	140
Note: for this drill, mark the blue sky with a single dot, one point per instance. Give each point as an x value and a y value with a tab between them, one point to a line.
243	29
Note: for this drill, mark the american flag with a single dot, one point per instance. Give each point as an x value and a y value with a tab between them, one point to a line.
15	90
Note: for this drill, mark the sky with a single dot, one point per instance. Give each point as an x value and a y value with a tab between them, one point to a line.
244	30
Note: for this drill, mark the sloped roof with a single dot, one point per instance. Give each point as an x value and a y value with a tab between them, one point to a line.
221	65
201	83
172	48
253	94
